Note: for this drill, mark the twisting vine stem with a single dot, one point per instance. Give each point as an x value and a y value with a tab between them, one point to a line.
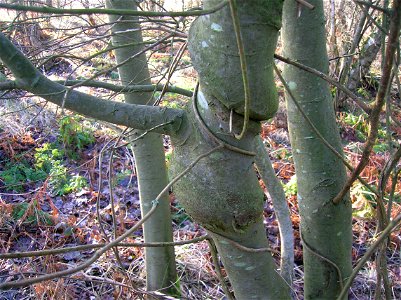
210	133
244	71
330	262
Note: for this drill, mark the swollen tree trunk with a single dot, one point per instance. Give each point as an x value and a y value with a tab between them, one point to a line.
148	152
222	191
325	227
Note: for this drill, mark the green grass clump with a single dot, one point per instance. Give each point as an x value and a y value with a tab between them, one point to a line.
50	159
74	136
361	125
16	174
48	163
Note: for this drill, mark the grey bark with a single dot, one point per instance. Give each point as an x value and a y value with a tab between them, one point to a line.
346	64
227	199
369	52
149	154
143	117
277	194
325	227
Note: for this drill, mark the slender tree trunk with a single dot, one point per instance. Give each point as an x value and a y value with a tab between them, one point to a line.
346	62
277	194
149	155
368	54
325	227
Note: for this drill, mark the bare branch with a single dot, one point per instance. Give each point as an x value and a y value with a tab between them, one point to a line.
136	116
327	78
103	11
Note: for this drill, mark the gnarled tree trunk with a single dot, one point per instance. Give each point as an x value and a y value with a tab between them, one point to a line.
222	192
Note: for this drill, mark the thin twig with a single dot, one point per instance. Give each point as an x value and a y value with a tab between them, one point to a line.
171	70
306	4
111	194
383	236
244	66
244	248
105	71
143	134
327	78
114	243
127	88
373	6
100	162
82	266
380	98
213	252
96	246
102	229
122	12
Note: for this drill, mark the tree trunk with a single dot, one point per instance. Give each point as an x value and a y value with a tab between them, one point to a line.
222	191
340	102
325	227
149	154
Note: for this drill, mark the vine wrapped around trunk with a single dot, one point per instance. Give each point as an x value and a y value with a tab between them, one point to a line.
222	192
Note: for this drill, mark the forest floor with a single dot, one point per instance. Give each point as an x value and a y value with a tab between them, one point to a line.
56	178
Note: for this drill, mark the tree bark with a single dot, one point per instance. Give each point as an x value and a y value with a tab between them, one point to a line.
281	210
325	227
222	192
149	154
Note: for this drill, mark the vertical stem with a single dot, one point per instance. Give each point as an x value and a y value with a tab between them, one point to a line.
281	210
325	227
244	67
149	156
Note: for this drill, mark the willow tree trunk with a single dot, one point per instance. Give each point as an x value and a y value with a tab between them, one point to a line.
326	228
222	192
148	152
